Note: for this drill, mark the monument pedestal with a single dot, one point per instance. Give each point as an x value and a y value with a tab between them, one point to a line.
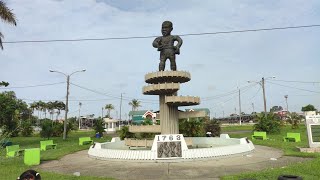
166	84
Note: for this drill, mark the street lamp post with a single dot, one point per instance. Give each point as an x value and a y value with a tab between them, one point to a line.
67	100
262	83
286	97
120	109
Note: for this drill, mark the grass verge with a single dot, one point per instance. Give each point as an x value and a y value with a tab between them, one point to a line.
11	168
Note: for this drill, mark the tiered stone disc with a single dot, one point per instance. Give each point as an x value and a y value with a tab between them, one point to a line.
166	84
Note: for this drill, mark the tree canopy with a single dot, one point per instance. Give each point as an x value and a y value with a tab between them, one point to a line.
308	107
276	109
12	110
135	103
7	16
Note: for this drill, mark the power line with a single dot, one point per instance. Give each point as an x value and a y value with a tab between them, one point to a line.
228	93
294	87
153	36
31	86
311	82
45	100
108	95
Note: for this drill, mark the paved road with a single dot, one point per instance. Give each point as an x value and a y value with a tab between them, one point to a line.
197	169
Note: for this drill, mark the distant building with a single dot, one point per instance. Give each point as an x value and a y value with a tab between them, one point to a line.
137	117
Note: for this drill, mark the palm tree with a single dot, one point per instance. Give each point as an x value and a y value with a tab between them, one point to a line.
51	107
109	107
135	103
7	16
59	105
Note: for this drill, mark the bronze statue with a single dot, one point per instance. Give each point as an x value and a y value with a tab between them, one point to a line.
165	45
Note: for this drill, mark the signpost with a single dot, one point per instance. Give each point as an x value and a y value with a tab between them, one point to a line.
313	129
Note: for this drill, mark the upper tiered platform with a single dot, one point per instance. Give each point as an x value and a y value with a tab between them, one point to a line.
168	77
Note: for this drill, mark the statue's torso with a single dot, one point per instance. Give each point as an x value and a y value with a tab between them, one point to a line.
167	42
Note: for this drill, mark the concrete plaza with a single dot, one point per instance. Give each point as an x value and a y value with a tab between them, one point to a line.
262	158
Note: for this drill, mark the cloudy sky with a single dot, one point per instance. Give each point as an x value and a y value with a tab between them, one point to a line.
218	63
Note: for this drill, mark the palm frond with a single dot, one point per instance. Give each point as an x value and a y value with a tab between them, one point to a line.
6	14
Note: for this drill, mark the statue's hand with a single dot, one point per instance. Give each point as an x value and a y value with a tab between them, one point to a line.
176	50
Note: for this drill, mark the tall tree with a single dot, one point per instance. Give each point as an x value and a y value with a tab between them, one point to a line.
59	105
308	107
109	107
135	103
7	16
51	106
11	111
276	109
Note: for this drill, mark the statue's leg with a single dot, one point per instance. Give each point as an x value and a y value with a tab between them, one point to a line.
173	62
162	63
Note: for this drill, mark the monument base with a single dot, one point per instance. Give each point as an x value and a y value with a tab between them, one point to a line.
310	150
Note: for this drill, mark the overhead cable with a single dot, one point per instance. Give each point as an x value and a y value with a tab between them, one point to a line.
154	36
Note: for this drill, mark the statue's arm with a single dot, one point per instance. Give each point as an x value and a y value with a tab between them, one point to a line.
156	43
179	40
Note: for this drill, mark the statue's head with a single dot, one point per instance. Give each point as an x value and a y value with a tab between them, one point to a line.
166	28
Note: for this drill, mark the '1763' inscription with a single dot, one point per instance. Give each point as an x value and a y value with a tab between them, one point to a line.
169	146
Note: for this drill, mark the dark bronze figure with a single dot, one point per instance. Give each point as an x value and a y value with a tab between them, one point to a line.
165	45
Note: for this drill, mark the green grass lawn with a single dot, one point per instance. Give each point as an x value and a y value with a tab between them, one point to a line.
307	170
11	168
227	128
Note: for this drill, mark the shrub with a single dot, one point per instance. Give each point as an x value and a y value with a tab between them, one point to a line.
145	135
294	119
213	126
124	133
192	127
46	129
147	122
98	127
268	122
57	129
26	128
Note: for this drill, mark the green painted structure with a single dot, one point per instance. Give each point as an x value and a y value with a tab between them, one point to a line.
136	116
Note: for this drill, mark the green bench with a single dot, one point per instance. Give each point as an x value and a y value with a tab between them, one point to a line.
259	135
13	151
85	140
295	137
31	156
47	144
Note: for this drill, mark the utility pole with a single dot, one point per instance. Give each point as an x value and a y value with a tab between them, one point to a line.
66	110
262	83
67	101
80	104
223	114
239	107
120	109
252	107
286	96
264	96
